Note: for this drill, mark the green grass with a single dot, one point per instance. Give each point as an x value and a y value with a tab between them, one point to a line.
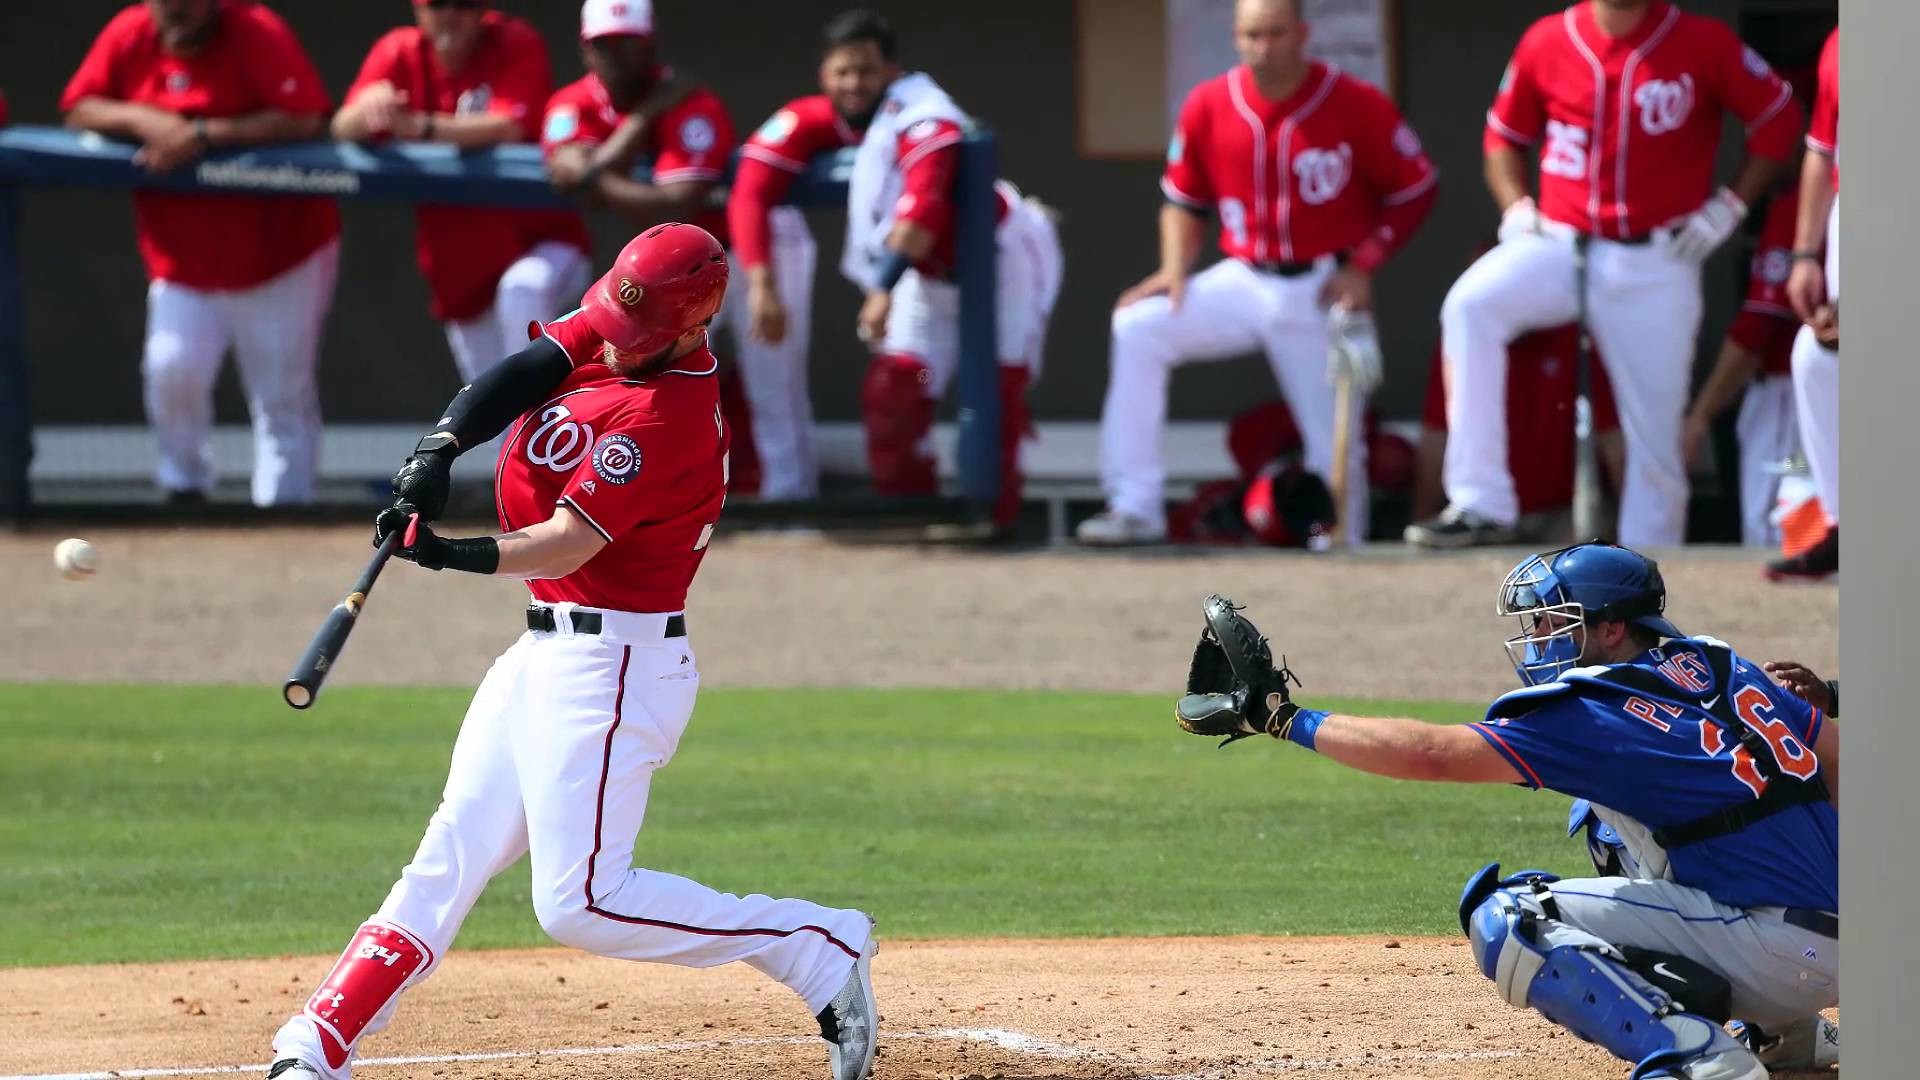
149	823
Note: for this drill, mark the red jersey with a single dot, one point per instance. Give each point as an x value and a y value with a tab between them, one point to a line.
803	129
643	461
1766	325
1824	136
250	64
689	142
1331	169
1632	124
463	250
1541	389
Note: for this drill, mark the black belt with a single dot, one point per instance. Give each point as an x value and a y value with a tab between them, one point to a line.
1291	269
1814	921
588	622
1641	240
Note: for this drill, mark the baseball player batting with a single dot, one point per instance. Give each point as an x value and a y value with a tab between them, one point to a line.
1317	181
1624	99
246	272
1721	787
608	486
1814	291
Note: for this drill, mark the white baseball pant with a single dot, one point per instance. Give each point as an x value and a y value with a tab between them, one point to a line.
554	760
1643	309
545	282
1768	436
274	330
774	375
1229	308
1816	388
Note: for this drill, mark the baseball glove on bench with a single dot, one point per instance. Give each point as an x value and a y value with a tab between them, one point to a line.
1233	688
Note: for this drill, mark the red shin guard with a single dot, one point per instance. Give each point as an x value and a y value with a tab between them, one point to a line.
378	963
898	413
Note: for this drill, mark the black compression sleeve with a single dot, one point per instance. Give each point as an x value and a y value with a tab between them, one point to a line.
484	407
478	555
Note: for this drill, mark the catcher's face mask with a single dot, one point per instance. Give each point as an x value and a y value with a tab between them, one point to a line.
1553	627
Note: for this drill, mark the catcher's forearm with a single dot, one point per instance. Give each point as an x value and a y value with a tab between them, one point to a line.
1408	749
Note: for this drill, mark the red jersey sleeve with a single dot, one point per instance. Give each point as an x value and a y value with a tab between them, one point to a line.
757	188
524	79
929	152
575	338
99	73
384	62
1185	180
1824	136
693	141
627	476
278	70
565	119
1519	112
1390	159
1762	100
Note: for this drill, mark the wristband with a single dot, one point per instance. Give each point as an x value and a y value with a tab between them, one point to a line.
437	442
200	133
478	555
426	133
891	269
1810	256
1304	726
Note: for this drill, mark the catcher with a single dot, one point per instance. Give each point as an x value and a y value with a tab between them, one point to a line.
1720	785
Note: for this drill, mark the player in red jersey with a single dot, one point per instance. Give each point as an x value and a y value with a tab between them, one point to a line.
900	249
1625	99
251	273
473	77
777	254
608	488
1317	181
1813	289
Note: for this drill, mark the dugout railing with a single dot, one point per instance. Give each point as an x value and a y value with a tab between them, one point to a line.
510	177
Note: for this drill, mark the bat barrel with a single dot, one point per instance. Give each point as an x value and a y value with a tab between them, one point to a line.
302	687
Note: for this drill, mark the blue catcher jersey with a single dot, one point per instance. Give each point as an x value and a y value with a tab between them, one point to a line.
1664	761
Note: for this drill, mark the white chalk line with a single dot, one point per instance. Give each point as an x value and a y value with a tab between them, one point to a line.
1017	1042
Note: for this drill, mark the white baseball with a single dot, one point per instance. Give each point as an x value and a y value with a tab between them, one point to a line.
76	559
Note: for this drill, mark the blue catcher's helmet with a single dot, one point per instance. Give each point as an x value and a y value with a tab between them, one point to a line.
1555	595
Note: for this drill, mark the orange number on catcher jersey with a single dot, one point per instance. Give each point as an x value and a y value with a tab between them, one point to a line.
1713	740
1756	709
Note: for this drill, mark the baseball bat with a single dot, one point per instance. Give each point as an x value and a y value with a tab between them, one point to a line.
1342	436
303	686
1587	494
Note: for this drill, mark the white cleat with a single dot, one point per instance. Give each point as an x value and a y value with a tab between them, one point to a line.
1810	1045
1111	528
851	1022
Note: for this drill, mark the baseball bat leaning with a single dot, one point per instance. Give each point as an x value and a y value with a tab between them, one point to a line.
1342	436
1587	495
303	686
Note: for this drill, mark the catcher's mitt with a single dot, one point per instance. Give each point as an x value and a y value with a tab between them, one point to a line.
1233	688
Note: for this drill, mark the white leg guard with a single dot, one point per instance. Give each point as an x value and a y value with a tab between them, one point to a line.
1583	984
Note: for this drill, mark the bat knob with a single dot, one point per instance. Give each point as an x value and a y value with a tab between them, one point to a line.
413	531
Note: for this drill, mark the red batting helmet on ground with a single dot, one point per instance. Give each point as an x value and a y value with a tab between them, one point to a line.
666	281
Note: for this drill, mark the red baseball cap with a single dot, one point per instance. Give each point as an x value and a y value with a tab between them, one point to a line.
665	282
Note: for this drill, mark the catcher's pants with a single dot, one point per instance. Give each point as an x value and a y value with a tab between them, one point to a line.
1643	309
546	282
274	330
774	374
1816	387
554	760
1768	436
1780	973
1229	308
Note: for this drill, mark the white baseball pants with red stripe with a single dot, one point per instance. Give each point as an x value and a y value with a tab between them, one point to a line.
554	761
1816	386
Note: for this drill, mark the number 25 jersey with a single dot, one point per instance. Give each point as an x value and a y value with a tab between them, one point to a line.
643	461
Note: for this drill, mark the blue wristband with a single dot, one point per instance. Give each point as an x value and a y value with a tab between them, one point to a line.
891	269
1306	723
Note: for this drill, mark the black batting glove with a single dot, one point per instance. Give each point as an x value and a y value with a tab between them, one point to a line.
427	477
426	550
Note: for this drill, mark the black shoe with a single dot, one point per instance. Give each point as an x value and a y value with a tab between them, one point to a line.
1455	528
291	1068
1820	561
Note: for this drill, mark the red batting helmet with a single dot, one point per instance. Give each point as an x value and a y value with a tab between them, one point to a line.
666	281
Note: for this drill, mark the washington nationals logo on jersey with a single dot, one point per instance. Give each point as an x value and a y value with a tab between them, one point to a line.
1323	174
1774	266
1757	65
697	134
559	443
1664	105
616	459
562	123
778	127
1406	141
474	101
178	82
